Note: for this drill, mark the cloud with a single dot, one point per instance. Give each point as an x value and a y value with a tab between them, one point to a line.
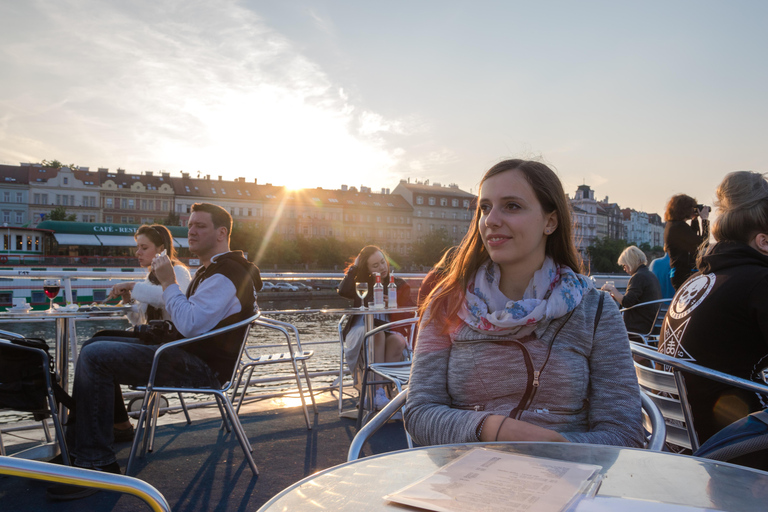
180	85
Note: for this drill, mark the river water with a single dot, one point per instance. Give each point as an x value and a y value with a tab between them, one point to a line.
311	327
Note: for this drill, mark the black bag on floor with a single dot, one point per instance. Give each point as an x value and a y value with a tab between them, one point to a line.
23	378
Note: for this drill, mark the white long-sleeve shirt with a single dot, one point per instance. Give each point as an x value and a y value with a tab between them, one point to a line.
149	294
214	300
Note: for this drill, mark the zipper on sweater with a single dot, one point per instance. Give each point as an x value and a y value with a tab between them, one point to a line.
534	386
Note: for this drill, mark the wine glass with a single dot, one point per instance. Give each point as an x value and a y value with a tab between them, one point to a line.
362	290
51	288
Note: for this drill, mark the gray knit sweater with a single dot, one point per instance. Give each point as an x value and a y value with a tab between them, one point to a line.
587	386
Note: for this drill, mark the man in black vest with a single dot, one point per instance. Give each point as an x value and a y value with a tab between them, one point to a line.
222	292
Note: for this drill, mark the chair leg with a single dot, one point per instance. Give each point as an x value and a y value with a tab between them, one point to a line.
57	428
155	416
245	388
224	421
2	447
301	392
140	435
309	385
46	431
361	405
224	405
184	408
239	432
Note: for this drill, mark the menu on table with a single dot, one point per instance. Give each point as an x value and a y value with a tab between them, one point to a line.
485	479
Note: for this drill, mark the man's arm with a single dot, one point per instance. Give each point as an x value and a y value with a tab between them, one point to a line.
213	301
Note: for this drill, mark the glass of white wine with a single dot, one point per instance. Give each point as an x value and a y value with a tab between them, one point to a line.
362	291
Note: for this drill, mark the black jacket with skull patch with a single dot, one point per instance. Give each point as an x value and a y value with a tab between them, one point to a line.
719	319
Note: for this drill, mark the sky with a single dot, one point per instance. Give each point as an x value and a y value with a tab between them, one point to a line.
638	100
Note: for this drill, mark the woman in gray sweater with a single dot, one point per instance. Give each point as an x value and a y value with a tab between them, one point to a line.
515	344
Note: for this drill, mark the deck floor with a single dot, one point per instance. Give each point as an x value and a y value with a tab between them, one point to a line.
198	467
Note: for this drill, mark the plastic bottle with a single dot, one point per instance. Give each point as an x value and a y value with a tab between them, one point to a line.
378	293
392	292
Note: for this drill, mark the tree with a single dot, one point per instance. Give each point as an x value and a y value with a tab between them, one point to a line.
604	255
430	248
52	163
171	220
60	213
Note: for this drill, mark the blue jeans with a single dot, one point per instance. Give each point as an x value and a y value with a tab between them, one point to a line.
100	366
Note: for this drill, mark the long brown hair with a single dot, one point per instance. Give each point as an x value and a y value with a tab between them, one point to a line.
363	275
448	295
159	235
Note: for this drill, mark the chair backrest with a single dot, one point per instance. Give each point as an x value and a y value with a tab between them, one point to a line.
24	375
667	390
662	305
407	322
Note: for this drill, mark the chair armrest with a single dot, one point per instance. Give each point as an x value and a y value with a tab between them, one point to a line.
701	371
649	303
186	341
375	424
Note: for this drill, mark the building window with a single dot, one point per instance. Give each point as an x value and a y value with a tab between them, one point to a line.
466	203
18	197
124	203
108	202
108	219
36	199
44	198
131	204
19	217
443	201
431	201
66	180
454	202
419	200
6	216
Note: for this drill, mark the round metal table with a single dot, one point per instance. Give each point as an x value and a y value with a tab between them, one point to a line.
628	474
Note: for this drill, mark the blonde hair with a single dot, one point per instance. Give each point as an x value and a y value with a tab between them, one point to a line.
633	258
742	202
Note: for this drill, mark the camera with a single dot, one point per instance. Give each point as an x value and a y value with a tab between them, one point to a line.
700	207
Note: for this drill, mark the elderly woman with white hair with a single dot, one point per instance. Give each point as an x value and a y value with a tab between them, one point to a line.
643	287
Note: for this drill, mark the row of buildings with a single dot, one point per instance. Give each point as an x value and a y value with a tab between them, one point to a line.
395	219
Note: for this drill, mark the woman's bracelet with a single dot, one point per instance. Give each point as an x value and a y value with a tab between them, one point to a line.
499	431
479	430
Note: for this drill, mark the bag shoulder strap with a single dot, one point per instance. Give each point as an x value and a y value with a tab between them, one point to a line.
599	313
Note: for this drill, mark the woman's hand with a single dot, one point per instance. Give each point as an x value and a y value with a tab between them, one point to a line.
608	288
504	428
704	213
164	270
122	290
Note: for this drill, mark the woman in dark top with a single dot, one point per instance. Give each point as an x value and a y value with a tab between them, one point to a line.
389	345
681	240
643	287
719	317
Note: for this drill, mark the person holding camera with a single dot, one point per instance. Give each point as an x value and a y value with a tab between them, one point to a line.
681	239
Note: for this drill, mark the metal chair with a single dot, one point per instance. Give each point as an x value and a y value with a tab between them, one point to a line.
651	337
652	414
85	478
372	426
397	373
668	392
653	421
145	428
7	347
251	361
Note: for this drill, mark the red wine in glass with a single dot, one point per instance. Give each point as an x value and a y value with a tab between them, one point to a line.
51	291
51	288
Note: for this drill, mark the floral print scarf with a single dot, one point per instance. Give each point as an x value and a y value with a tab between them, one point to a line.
554	291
